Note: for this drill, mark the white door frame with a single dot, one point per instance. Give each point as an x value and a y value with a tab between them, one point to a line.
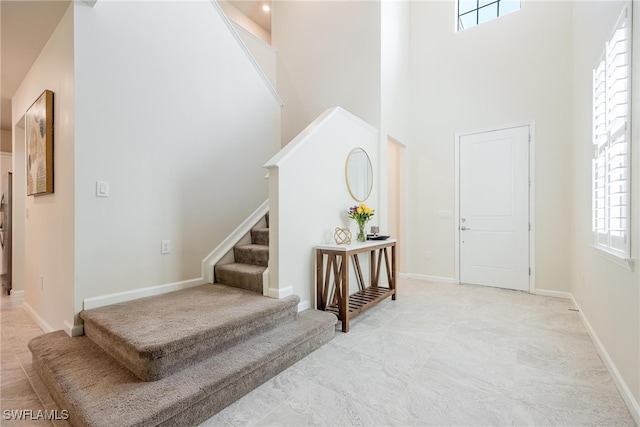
532	191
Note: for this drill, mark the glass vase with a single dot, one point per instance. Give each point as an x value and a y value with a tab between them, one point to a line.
362	235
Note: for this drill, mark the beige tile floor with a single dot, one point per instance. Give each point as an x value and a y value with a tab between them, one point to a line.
441	354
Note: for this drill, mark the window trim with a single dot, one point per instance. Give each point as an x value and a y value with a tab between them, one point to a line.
625	262
477	9
621	256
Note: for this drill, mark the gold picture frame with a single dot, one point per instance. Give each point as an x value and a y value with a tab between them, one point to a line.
39	133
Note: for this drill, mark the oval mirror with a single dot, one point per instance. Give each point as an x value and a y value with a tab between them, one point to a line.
359	174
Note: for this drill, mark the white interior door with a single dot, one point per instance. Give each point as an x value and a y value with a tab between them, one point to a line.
494	208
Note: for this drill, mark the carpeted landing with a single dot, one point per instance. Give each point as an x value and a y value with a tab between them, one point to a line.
177	358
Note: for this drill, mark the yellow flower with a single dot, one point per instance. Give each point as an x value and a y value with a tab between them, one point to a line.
367	211
359	210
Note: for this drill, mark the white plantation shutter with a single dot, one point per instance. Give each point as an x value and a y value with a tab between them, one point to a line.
600	141
611	139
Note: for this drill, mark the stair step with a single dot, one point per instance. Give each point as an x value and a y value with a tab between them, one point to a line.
252	254
157	336
260	236
98	391
244	276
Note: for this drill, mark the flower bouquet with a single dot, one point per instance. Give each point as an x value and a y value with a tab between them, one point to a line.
361	213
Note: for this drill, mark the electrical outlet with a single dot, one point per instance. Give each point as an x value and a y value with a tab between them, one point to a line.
165	247
427	254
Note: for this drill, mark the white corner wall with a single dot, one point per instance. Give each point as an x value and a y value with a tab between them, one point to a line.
308	198
44	225
328	55
608	294
395	89
501	72
172	114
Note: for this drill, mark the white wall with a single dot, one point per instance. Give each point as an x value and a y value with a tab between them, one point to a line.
308	197
608	294
255	38
263	53
394	68
6	165
47	242
18	212
173	115
328	55
501	72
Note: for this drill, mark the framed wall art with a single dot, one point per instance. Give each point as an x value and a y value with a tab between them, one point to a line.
39	133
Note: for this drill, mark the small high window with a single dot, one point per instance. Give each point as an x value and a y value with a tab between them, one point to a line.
475	12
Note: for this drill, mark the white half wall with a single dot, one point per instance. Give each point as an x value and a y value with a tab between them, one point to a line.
308	197
504	71
171	112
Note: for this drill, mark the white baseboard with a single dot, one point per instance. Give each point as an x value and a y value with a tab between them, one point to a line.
17	294
427	278
103	300
36	318
627	396
304	305
556	294
73	330
278	293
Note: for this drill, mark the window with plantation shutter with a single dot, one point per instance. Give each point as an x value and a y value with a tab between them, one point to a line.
611	167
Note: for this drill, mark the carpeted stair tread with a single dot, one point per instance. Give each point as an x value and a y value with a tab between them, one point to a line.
260	236
98	391
157	336
239	275
252	254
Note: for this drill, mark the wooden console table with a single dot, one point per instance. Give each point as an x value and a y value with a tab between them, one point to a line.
340	303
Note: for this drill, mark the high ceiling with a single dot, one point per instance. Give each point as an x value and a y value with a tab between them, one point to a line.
25	28
27	25
253	9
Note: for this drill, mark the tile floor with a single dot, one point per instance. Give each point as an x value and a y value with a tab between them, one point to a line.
441	354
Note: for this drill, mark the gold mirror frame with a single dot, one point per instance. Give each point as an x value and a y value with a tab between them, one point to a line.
358	173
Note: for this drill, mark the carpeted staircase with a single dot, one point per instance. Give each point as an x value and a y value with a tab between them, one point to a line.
249	262
176	358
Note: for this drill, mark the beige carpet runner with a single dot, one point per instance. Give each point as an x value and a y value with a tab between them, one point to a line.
204	358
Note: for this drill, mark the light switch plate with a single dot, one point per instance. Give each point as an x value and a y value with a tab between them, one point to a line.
102	189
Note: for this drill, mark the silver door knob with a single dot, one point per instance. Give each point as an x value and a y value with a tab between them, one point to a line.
463	228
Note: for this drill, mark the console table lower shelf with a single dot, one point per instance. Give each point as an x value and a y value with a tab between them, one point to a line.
362	300
337	267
